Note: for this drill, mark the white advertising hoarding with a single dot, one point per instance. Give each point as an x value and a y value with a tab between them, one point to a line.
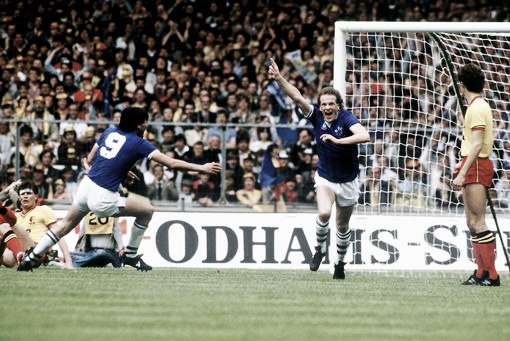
286	241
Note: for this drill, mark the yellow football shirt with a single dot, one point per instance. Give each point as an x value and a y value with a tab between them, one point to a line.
478	114
37	221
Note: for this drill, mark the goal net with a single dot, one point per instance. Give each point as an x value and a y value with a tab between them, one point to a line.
399	79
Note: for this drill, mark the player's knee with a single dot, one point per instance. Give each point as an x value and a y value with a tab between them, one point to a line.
473	225
324	215
149	211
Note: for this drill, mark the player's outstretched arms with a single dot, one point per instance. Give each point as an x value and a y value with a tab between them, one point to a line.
287	88
211	167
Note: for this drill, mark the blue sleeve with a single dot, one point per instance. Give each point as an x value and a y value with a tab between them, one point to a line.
314	116
350	119
146	148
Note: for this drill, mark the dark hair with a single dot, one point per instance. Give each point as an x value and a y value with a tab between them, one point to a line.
28	184
471	75
25	129
131	117
332	91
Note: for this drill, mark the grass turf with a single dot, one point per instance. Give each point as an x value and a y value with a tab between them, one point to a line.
209	304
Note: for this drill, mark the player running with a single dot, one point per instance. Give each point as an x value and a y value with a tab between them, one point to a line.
337	133
117	150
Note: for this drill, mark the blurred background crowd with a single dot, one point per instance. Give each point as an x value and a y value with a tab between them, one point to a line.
68	68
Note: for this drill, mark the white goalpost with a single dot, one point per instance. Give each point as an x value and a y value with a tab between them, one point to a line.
399	79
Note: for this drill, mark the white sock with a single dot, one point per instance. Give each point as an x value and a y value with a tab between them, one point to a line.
135	239
44	245
321	232
342	244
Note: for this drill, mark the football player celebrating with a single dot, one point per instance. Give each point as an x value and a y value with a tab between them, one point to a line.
337	133
116	151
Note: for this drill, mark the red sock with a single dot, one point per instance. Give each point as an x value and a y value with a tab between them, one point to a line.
7	216
13	244
478	259
488	254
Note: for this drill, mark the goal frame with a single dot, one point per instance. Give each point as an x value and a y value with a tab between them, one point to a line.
343	27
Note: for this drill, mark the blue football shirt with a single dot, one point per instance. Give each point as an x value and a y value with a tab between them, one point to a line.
337	163
118	151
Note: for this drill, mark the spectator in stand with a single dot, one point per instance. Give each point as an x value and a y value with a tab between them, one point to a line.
59	192
197	154
46	130
6	141
230	190
204	191
304	142
285	169
249	196
243	144
289	192
306	187
503	187
168	138
261	140
230	133
79	128
70	150
186	194
90	138
233	166
44	187
161	188
29	151
376	192
69	177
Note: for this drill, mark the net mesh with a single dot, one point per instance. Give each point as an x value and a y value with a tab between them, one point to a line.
399	86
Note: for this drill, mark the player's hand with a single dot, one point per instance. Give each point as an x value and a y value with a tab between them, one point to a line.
211	168
328	137
458	182
131	178
457	167
273	69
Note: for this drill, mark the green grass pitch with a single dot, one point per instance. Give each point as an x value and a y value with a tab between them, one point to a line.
230	304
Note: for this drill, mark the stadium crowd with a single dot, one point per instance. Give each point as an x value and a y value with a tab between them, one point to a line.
68	68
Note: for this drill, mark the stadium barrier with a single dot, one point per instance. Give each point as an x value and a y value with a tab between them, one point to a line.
286	241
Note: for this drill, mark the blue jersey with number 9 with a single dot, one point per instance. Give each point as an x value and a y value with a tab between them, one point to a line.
117	153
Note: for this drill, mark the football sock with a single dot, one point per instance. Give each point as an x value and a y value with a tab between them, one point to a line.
486	244
13	244
135	239
478	258
477	253
343	239
44	245
321	231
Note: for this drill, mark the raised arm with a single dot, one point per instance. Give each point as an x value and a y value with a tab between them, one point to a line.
210	168
287	88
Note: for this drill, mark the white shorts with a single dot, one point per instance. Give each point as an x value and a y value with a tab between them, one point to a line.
102	202
346	193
